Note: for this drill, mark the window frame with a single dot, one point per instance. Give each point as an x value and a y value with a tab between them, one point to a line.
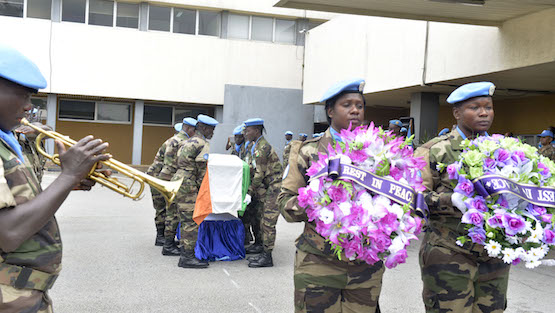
138	16
95	120
114	18
155	104
25	10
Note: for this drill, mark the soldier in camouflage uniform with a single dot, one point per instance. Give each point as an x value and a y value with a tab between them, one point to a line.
238	148
169	168
158	201
30	244
458	278
191	165
323	283
547	149
264	189
287	148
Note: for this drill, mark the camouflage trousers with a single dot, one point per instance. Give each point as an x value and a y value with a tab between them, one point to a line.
462	281
251	218
268	215
326	284
189	229
14	300
172	220
159	204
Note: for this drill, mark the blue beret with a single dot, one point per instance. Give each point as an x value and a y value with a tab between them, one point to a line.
303	135
254	122
546	133
17	68
289	133
178	127
238	130
190	121
443	132
471	90
404	129
396	123
351	85
205	119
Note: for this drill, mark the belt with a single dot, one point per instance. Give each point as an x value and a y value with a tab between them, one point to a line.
21	277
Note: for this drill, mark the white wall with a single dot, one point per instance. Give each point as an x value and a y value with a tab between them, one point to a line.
127	63
389	53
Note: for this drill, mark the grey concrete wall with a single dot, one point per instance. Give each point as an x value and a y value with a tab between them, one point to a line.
281	109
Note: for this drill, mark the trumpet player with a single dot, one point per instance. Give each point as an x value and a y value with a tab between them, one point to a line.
30	245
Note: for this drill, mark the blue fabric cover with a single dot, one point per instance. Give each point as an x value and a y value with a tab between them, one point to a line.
221	240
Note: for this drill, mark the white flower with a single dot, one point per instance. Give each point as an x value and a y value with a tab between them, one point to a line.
326	216
493	248
536	235
527	228
520	252
458	201
345	208
345	160
533	263
538	253
512	240
397	244
509	255
459	243
314	185
397	210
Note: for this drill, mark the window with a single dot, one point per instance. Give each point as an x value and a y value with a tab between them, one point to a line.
158	115
159	18
262	28
11	8
94	110
127	15
285	31
184	21
101	12
182	112
209	23
73	11
108	111
238	26
76	109
39	8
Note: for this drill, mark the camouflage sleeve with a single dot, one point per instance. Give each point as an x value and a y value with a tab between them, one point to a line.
431	180
6	197
201	162
170	161
261	157
294	178
286	152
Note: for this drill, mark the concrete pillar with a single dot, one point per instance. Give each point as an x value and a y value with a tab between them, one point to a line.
51	110
143	16
424	108
56	11
302	28
219	113
138	132
223	25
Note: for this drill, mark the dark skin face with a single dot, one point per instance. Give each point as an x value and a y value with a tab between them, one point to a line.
206	130
474	116
546	140
252	133
396	129
288	137
348	109
301	138
190	130
239	139
15	101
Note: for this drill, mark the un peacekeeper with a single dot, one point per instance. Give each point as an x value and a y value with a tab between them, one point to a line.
458	278
158	200
169	168
547	149
239	147
323	283
287	148
266	181
30	244
191	165
302	137
395	126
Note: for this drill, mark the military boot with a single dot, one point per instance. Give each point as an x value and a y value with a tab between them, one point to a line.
254	248
188	260
170	248
159	236
265	260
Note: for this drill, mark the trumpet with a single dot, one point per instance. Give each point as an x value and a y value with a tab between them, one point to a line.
168	189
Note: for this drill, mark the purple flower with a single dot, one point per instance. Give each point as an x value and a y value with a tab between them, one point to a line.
453	170
516	261
396	258
513	223
477	234
338	194
519	157
489	164
502	156
502	202
388	223
535	210
544	170
546	218
474	217
381	242
477	203
305	197
495	221
465	187
548	236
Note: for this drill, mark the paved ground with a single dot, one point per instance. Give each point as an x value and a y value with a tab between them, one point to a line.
111	265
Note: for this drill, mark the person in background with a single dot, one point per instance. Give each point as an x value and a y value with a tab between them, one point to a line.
302	137
547	149
239	140
444	131
287	148
395	127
